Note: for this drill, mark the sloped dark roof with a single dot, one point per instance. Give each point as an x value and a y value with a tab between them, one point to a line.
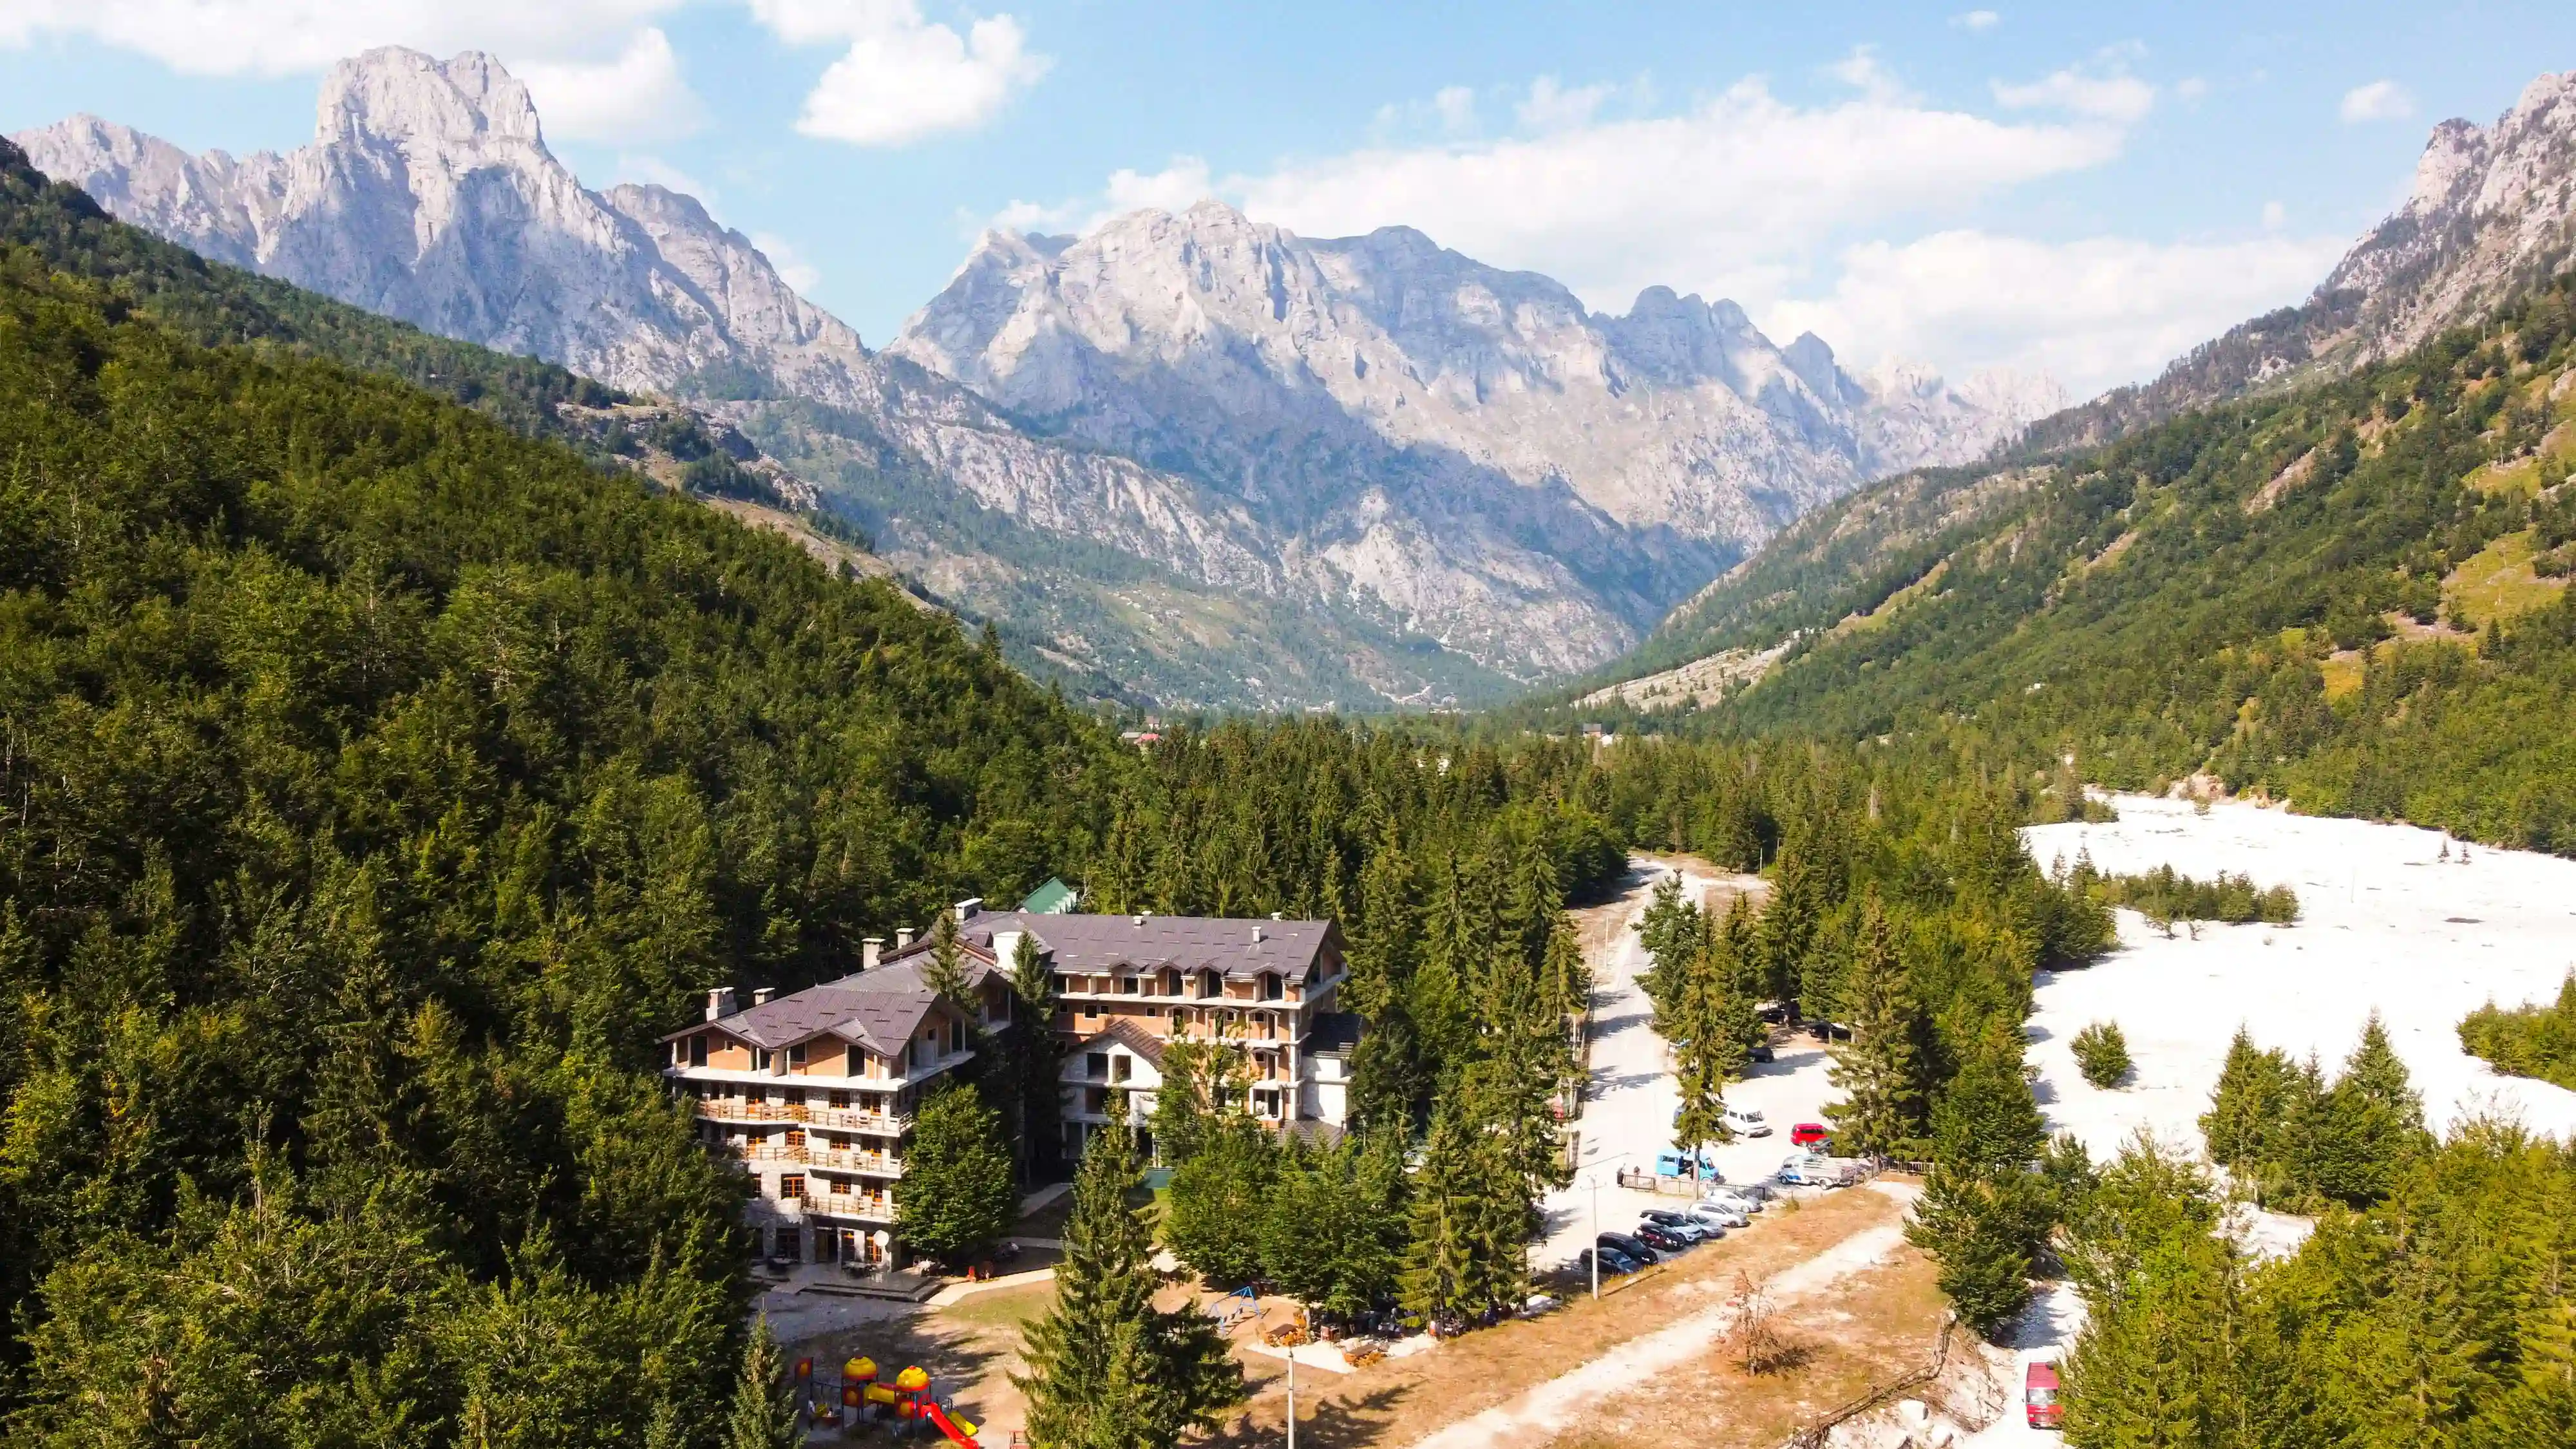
1129	1035
878	1009
1237	947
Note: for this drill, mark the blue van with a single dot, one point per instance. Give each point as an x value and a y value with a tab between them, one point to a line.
1678	1164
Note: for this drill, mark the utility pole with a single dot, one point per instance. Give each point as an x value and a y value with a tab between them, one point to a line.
1594	1252
1292	1396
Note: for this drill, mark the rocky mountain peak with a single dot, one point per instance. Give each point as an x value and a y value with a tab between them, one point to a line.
451	109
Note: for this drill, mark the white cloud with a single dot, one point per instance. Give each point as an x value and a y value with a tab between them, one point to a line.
1977	20
1551	107
1731	196
1456	107
902	78
2092	313
2113	96
2381	100
2191	88
791	264
2275	215
1865	72
286	37
638	96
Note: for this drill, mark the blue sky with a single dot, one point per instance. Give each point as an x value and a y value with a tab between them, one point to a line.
2076	190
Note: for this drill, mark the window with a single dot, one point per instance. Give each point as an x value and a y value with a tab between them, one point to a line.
1119	1067
791	1186
796	1057
1272	988
1095	1065
1153	1011
698	1050
796	1096
795	1137
840	1187
760	1059
841	1100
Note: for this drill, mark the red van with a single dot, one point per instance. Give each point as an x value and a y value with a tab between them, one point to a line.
2039	1396
1808	1134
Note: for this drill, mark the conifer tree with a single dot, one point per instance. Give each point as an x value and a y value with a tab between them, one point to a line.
764	1402
1105	1368
1983	1228
1471	1221
2245	1112
958	1194
1881	1113
1986	1118
1036	1061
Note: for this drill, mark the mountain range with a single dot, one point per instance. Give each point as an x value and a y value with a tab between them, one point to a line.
2491	213
2385	465
1190	459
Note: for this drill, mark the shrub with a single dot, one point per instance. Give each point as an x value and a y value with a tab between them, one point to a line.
2102	1054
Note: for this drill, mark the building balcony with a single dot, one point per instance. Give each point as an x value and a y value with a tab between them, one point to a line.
854	1207
840	1119
829	1159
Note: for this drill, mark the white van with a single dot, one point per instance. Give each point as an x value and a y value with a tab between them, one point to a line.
1747	1122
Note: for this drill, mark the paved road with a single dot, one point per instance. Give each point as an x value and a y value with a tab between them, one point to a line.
1628	1105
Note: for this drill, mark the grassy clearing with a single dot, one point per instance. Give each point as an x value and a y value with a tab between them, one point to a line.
2498	582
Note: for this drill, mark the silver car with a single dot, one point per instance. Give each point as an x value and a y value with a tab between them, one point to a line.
1724	1212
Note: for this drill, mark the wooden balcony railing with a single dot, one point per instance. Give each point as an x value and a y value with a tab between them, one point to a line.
845	1119
877	1208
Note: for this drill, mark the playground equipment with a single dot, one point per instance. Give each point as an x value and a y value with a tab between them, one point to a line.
909	1399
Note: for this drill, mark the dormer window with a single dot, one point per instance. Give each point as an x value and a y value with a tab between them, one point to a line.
1272	988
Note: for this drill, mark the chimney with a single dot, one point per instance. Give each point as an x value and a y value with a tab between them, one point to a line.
760	995
869	951
1256	933
720	1003
969	908
902	937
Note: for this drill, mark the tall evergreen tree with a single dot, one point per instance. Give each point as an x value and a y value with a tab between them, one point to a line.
958	1194
1036	1061
1105	1368
764	1402
1881	1113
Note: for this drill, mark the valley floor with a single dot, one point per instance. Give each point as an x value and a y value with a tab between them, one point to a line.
2385	926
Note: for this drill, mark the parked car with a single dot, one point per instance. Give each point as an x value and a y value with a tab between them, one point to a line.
1810	1134
1681	1225
1662	1240
1747	1122
1752	1194
1808	1170
1612	1261
1631	1246
1720	1213
1760	1054
2039	1396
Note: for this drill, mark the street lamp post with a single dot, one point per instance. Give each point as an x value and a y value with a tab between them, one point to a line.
1292	1396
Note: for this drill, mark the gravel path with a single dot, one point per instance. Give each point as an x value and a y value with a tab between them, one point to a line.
1570	1399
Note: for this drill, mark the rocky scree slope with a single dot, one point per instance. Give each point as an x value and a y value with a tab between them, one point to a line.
2492	212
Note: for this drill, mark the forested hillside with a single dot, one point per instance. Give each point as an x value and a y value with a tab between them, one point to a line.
377	784
2351	595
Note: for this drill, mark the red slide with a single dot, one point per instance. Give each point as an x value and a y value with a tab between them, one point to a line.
940	1420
